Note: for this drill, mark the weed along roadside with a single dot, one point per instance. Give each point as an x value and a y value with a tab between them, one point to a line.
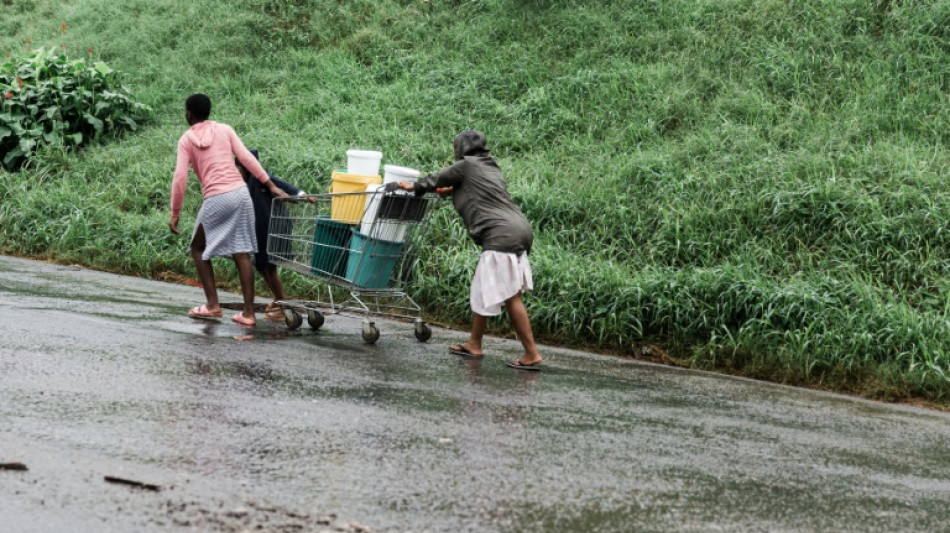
698	180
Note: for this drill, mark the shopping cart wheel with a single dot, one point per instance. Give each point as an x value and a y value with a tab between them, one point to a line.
422	330
292	318
314	318
370	332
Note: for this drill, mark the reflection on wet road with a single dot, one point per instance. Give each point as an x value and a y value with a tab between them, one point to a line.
105	375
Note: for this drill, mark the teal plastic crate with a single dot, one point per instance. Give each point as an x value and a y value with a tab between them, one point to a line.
331	240
371	261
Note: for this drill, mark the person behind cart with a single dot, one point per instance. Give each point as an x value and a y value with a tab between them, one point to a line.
225	222
262	198
497	224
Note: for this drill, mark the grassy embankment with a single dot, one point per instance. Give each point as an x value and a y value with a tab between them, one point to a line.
757	187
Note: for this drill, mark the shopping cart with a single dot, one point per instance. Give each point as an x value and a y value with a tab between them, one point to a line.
359	247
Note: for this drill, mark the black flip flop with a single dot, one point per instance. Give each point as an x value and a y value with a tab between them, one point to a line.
533	367
463	351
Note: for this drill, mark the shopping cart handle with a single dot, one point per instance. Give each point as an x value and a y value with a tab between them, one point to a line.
305	198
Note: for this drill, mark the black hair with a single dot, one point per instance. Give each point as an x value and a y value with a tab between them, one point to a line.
199	105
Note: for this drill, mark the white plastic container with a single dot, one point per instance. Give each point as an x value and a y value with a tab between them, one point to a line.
392	173
373	199
382	229
363	162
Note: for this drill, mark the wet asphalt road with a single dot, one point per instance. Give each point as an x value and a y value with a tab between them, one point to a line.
103	375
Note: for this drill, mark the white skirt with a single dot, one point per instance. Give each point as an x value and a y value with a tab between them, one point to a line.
498	277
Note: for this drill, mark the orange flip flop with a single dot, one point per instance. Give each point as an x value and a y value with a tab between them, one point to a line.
202	312
274	314
246	322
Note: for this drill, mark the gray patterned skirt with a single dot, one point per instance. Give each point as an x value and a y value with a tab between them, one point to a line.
228	219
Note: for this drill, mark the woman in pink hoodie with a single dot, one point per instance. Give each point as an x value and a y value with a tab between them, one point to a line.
225	223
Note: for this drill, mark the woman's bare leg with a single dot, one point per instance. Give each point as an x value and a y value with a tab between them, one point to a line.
273	282
205	271
246	274
519	318
474	343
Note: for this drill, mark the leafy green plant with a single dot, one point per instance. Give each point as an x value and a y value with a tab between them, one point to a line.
50	100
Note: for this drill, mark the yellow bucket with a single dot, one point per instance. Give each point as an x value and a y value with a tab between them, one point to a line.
348	208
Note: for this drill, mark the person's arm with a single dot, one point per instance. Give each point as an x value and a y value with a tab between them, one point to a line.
287	187
179	185
452	176
441	182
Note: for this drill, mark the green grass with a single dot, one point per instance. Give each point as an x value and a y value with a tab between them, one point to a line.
756	186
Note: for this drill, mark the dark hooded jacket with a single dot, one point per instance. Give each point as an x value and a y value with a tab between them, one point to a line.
262	199
481	197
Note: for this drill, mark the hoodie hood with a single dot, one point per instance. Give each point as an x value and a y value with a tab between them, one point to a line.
202	134
469	142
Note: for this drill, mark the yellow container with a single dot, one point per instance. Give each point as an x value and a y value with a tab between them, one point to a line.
348	208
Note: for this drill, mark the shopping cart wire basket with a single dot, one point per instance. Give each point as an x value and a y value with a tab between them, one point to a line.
362	263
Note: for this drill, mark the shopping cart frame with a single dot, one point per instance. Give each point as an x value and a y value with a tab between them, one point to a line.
358	248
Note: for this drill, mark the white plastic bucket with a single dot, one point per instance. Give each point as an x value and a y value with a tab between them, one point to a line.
363	162
373	199
382	229
392	173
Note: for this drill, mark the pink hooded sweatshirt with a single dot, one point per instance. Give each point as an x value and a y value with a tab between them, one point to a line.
210	148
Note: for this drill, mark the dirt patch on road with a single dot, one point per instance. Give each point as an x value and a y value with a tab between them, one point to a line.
253	517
